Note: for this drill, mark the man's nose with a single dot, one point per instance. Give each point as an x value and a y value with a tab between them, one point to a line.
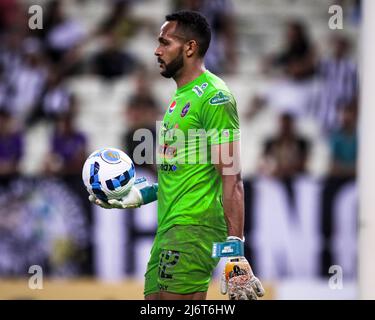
157	52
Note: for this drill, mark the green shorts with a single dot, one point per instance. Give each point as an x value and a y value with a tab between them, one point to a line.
181	260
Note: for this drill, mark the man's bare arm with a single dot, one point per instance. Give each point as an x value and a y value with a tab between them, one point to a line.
228	166
238	280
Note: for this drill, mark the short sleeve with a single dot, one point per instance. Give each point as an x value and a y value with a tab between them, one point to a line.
219	118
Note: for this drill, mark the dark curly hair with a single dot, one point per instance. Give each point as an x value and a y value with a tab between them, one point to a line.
194	26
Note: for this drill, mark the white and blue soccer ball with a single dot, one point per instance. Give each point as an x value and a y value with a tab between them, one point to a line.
108	174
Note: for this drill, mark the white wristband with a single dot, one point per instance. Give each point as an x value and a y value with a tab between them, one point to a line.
231	238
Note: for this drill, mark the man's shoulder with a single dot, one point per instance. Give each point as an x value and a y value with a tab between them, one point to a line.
216	83
216	91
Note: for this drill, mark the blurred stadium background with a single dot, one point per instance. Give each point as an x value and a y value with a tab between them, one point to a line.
88	79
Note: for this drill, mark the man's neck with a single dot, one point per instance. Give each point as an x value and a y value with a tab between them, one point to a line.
188	74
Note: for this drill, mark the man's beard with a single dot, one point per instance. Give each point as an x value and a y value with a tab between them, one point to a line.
173	67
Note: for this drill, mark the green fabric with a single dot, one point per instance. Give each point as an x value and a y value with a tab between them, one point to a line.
181	260
191	193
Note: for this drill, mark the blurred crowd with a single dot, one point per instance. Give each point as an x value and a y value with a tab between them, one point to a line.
306	84
36	65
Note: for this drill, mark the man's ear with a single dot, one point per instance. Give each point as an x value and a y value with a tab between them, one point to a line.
190	48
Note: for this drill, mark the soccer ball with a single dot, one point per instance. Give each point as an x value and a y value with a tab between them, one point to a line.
108	174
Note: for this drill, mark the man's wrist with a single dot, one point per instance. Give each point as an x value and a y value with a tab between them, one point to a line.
148	194
229	248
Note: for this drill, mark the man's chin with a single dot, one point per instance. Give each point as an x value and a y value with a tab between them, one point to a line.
166	74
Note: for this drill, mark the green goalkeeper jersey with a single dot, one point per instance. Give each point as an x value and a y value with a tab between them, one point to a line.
201	113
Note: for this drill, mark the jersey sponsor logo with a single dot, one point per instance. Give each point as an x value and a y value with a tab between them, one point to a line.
167	167
185	110
198	91
164	127
169	134
167	131
219	98
172	106
167	152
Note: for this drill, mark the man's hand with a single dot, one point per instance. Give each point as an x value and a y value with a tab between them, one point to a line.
239	281
132	200
140	193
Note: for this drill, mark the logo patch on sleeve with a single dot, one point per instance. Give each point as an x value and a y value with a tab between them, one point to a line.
185	110
219	98
172	106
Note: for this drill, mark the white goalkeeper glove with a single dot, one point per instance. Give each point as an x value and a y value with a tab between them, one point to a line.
238	280
140	193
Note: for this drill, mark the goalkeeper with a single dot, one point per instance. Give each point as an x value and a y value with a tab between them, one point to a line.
200	202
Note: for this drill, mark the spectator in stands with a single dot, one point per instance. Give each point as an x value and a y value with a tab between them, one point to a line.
64	161
11	146
344	143
221	56
141	112
352	10
285	155
284	95
67	148
339	83
293	89
120	22
297	57
10	14
113	61
26	82
11	50
119	26
55	100
63	37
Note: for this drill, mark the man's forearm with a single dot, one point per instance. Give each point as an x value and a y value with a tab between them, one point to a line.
233	201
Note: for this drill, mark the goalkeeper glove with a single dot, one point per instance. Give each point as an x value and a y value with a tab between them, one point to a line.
140	193
238	279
